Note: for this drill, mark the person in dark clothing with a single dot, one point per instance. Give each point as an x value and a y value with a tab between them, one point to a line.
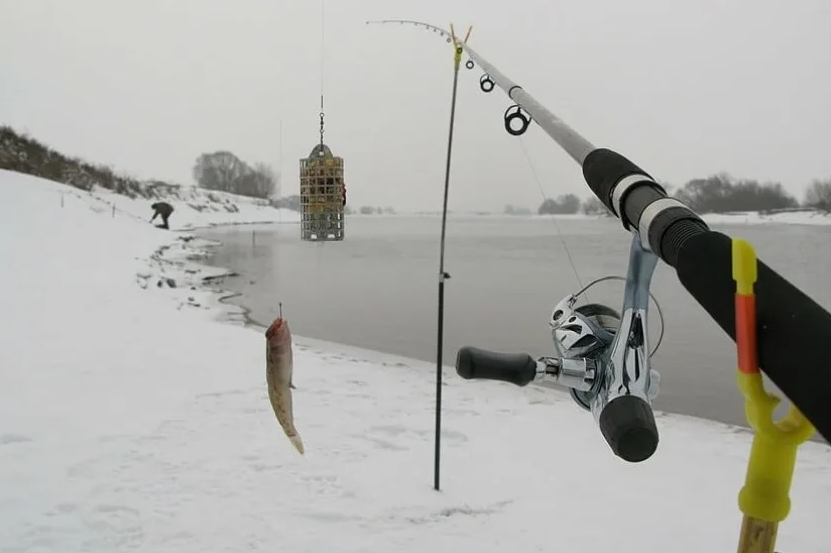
162	209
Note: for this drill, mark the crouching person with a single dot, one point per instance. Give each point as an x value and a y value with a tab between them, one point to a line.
163	210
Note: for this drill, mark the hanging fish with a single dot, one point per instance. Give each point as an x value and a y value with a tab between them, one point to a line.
278	371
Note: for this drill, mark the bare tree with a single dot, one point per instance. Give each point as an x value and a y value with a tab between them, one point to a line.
593	206
564	204
722	193
818	195
256	183
268	180
219	171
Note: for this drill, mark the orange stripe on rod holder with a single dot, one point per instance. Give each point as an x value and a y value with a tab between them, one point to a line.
745	275
746	344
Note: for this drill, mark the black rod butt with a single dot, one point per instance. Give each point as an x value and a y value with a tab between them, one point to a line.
629	427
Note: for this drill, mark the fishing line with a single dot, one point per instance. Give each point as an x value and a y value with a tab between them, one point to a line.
584	289
654	300
322	46
553	218
322	64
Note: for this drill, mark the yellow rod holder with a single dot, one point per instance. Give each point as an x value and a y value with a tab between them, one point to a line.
764	499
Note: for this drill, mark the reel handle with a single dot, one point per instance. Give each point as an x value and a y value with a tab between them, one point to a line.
481	364
628	425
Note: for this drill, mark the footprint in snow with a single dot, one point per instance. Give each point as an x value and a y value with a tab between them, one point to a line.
380	443
396	431
63	509
330	516
222	394
462	510
323	484
116	522
6	439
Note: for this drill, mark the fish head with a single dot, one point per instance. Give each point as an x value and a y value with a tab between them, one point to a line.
278	336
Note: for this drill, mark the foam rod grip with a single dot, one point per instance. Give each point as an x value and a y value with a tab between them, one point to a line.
481	364
794	332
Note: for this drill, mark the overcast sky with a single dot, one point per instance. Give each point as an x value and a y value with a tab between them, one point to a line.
684	87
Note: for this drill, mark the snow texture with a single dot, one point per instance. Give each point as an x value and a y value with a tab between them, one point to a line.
130	422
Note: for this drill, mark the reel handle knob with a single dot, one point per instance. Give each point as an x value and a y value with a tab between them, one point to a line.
480	364
628	424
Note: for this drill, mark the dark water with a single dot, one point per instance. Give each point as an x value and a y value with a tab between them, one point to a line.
378	288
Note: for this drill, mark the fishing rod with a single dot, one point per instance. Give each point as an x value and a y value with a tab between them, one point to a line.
603	356
793	328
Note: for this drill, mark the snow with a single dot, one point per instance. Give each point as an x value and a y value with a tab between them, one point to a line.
194	207
130	419
809	217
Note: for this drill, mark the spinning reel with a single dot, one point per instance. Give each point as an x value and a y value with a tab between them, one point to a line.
602	357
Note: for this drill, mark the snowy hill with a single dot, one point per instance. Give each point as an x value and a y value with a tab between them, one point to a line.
193	205
132	422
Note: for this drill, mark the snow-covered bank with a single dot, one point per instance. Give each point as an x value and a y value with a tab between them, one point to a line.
128	421
756	218
195	207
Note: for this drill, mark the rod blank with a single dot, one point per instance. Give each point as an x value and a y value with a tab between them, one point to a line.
569	140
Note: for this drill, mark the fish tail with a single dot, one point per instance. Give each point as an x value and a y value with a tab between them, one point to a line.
280	397
297	443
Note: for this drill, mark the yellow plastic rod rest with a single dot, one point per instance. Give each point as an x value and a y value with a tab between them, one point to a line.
457	45
764	499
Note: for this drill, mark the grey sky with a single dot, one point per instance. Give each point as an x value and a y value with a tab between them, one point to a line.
685	87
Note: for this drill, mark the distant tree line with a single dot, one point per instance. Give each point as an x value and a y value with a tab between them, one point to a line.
818	195
287	202
225	172
722	194
719	193
514	210
293	203
569	204
715	194
369	210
